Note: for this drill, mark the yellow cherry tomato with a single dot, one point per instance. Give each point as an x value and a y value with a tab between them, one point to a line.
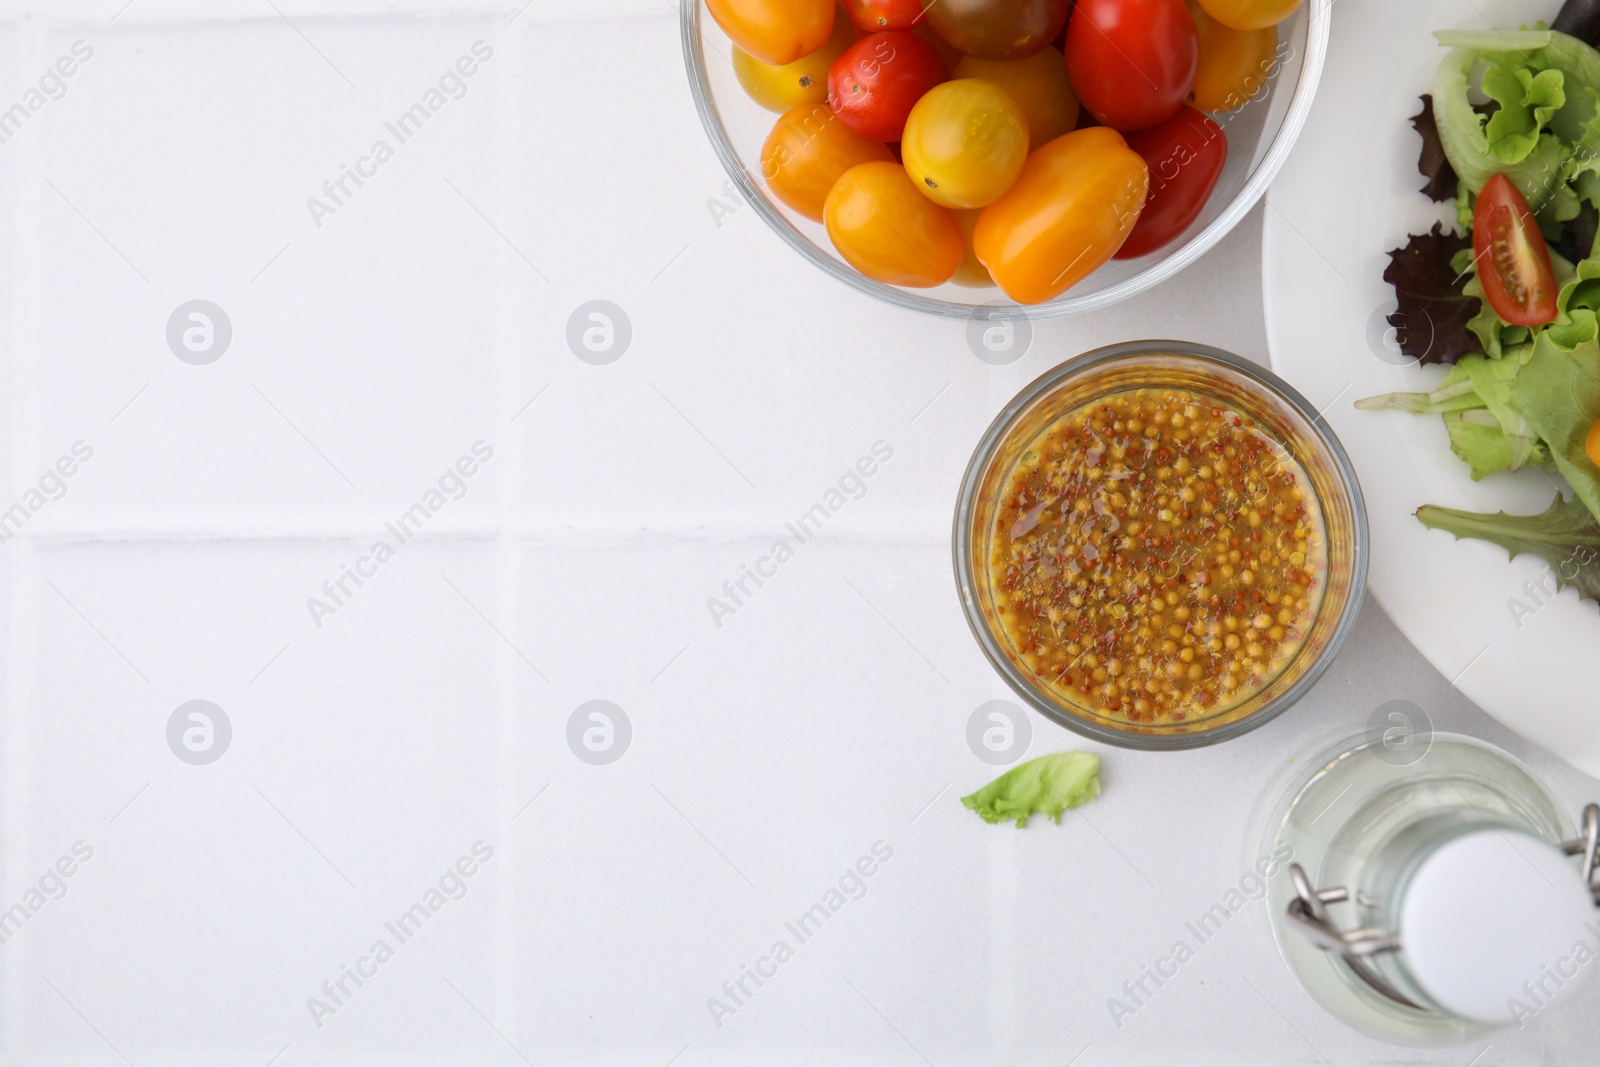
971	274
1250	14
776	31
805	81
1591	444
807	152
1040	86
965	143
1069	212
1235	65
890	232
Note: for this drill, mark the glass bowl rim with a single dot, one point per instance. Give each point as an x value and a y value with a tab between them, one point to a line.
1258	377
1254	188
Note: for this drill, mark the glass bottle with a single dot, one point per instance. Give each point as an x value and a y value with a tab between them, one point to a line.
1430	893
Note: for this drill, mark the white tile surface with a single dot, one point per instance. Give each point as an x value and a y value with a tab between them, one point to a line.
430	710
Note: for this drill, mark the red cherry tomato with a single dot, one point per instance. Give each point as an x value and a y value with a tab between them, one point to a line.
875	15
1132	62
1513	262
1185	155
879	79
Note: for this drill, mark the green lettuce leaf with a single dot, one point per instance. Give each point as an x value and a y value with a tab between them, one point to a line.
1476	437
1048	785
1545	133
1492	380
1455	393
1527	99
1558	394
1565	536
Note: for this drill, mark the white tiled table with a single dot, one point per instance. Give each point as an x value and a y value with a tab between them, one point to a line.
429	712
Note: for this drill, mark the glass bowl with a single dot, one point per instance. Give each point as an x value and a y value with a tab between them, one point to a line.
1260	135
1281	412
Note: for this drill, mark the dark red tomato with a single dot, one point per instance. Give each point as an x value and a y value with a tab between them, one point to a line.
1185	155
1132	62
999	29
879	79
1513	262
875	15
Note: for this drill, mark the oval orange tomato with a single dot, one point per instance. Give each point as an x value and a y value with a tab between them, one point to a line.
1250	14
887	230
1040	86
805	81
1074	204
807	152
1235	65
971	274
776	31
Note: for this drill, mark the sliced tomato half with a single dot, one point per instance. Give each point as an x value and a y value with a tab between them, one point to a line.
1513	261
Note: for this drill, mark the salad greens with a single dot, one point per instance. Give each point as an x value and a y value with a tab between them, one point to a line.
1525	104
1048	785
1565	536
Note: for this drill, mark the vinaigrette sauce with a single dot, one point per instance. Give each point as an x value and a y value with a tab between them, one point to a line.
1157	557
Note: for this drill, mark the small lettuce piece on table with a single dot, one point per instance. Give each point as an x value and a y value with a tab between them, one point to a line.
1565	536
1434	313
1048	785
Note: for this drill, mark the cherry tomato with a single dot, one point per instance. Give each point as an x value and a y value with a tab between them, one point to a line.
879	79
1513	262
965	143
947	51
1235	65
1073	206
775	31
1132	62
889	231
1591	443
999	29
805	81
1040	86
807	152
875	15
972	274
1250	14
1185	155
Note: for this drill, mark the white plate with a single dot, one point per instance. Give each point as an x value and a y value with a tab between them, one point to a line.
1346	197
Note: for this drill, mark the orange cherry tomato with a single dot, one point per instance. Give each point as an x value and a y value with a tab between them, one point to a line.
807	152
1235	65
1591	444
805	81
1074	204
971	274
1040	86
776	31
1250	14
887	230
